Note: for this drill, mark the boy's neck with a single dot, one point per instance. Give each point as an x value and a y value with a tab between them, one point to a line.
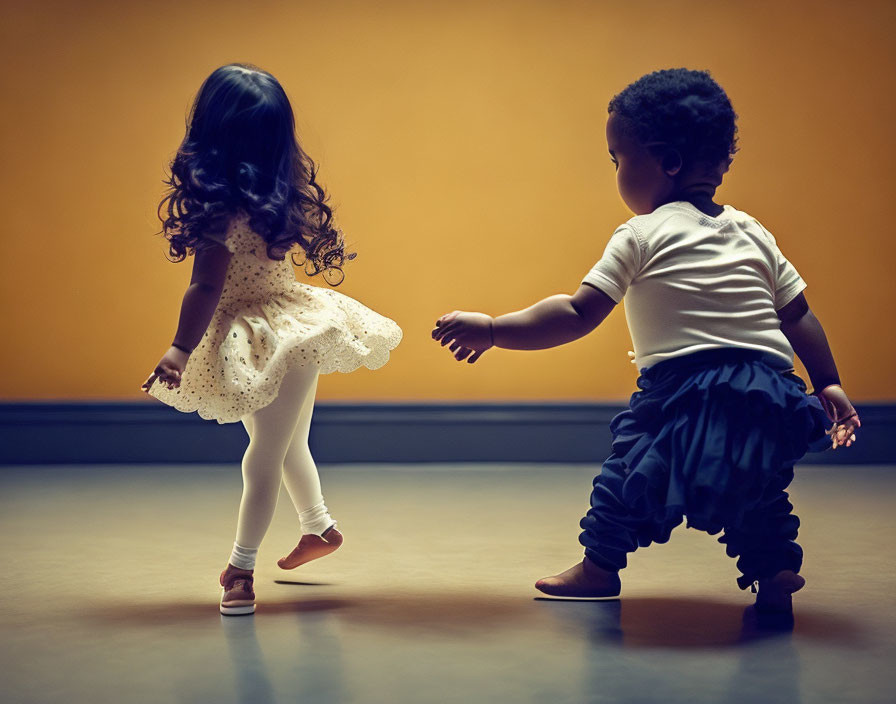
698	185
702	200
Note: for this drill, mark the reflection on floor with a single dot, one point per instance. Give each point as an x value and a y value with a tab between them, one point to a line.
110	595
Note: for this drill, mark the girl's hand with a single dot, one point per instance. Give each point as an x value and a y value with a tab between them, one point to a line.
169	369
469	334
836	404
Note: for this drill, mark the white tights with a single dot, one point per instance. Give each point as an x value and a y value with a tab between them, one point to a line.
278	449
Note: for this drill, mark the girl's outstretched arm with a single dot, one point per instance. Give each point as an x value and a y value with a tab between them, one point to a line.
199	303
806	336
202	295
551	322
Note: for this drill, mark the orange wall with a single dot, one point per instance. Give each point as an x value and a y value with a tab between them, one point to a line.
463	145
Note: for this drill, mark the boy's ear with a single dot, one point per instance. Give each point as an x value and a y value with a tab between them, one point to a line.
672	162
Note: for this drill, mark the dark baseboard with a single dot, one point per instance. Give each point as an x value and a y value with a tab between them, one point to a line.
148	433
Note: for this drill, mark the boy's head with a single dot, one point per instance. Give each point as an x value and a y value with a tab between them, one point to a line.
679	124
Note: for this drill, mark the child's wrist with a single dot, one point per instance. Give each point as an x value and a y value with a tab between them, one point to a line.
491	331
823	386
182	348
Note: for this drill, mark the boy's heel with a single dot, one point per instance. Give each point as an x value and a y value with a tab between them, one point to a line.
776	594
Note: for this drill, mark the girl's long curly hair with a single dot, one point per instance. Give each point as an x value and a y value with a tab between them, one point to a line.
240	152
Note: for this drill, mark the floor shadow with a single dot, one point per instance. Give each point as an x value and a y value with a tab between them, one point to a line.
173	612
399	611
420	612
633	622
681	623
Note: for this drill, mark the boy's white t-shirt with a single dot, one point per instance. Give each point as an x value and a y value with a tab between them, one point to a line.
692	282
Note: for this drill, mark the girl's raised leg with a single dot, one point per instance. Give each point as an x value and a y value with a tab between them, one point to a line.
270	433
319	534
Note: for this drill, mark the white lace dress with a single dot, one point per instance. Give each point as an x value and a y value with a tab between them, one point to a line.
265	323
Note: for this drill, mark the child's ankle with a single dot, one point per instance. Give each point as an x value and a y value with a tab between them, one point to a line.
243	558
592	568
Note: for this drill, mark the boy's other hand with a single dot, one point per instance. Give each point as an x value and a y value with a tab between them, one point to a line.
836	404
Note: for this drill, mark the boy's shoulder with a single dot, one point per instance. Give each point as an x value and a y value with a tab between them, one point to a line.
675	216
680	215
749	223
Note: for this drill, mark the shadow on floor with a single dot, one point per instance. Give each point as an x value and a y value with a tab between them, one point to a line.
681	622
634	622
446	612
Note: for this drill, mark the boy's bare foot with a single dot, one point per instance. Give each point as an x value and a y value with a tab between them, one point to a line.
584	580
775	594
311	547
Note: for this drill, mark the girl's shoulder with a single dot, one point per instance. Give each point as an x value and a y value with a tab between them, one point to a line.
233	231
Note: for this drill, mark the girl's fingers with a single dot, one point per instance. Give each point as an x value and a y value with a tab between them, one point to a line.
454	347
475	356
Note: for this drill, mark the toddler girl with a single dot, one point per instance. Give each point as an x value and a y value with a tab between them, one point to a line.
716	313
252	340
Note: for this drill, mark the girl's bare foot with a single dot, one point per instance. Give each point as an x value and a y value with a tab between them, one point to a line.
311	547
585	580
775	593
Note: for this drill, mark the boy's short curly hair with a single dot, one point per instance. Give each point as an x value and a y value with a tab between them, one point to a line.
686	109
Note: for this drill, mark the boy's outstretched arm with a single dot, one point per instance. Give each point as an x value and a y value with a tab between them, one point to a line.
551	322
806	336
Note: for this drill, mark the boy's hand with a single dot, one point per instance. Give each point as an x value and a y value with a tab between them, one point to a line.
469	334
836	404
169	369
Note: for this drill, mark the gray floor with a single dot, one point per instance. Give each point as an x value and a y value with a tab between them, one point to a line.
110	595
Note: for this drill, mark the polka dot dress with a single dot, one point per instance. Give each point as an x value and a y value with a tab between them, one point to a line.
266	322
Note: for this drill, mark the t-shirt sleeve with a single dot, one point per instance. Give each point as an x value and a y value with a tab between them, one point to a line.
619	264
788	283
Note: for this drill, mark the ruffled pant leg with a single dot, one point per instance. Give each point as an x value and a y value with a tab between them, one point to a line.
613	526
765	538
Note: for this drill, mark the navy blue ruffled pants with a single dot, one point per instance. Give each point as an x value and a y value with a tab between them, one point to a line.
712	436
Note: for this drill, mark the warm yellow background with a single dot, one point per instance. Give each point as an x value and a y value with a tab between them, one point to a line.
463	144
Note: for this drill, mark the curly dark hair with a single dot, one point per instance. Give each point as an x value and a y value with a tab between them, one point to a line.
685	109
240	151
